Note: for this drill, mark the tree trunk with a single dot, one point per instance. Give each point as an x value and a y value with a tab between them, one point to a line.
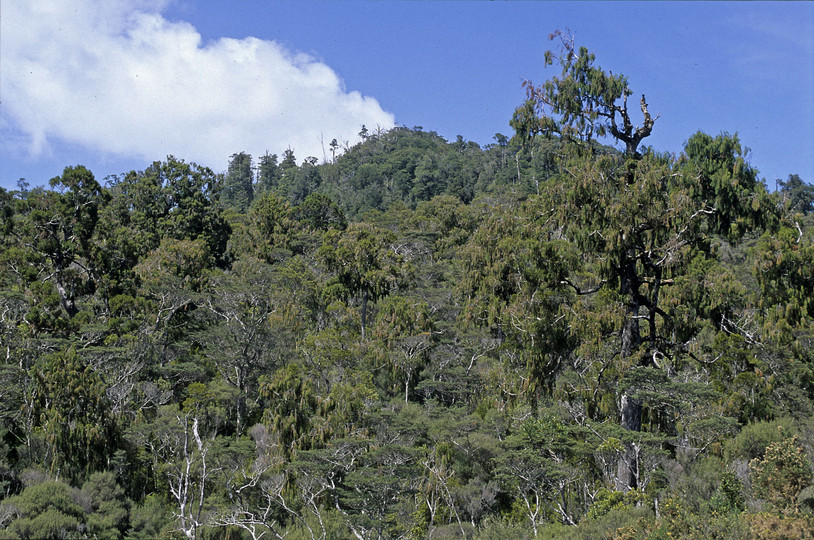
627	476
630	409
631	337
66	299
364	312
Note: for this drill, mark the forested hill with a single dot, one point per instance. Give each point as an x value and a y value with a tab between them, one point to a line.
542	337
401	165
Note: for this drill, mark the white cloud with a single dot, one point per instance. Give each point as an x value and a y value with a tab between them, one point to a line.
118	78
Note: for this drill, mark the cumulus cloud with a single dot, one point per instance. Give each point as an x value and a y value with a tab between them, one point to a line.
119	78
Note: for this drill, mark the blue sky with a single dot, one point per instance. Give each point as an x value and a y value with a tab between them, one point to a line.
118	84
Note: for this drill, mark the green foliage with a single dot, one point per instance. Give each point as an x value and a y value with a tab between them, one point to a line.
785	277
268	173
272	228
797	195
319	212
152	519
677	521
45	510
365	265
238	186
175	200
782	473
729	497
290	404
753	439
107	508
405	329
581	104
182	261
727	184
73	415
542	337
640	224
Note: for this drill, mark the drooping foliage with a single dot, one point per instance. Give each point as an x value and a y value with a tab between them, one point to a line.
546	336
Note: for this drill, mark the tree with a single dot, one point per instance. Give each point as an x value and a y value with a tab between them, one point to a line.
6	216
782	473
180	449
256	490
797	195
178	200
152	519
286	171
238	186
248	334
59	230
636	220
514	284
582	103
319	212
334	147
725	183
74	415
365	266
272	228
386	476
268	173
45	510
291	404
106	505
188	478
537	466
406	330
303	181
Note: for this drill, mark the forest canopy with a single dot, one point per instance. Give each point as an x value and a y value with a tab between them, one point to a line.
562	334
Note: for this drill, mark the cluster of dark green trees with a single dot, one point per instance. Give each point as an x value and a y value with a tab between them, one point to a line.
544	337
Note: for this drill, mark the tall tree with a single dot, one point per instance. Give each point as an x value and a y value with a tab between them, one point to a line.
581	104
725	183
797	195
74	414
271	228
58	231
319	212
287	172
637	219
405	328
364	264
268	173
173	199
238	188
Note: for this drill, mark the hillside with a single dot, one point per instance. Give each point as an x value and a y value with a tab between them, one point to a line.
543	337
